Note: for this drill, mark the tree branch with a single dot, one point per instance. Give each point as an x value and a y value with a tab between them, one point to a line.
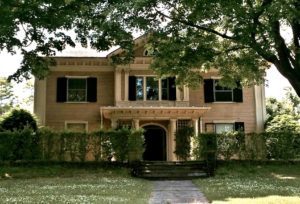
191	24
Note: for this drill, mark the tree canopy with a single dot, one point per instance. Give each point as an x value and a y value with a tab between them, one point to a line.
240	38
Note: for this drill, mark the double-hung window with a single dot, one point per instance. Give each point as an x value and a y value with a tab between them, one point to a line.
214	92
76	89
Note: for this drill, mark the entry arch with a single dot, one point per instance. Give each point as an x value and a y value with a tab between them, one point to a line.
156	144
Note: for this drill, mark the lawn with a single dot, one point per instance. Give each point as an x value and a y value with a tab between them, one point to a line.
235	183
57	184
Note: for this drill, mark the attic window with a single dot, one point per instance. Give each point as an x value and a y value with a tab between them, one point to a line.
148	53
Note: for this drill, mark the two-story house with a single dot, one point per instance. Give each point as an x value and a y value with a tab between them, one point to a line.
88	93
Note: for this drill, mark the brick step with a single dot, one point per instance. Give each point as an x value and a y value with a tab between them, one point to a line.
162	169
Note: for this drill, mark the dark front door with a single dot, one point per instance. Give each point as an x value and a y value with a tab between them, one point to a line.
155	143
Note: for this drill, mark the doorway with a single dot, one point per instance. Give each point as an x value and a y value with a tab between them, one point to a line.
155	143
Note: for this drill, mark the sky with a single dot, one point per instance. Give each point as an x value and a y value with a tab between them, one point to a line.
9	63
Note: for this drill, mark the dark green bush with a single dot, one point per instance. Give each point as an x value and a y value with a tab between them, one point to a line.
19	145
230	145
183	142
119	143
204	143
18	119
282	145
136	146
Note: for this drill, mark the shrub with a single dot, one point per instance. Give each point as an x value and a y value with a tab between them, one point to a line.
230	145
136	146
19	145
183	142
119	143
18	119
282	145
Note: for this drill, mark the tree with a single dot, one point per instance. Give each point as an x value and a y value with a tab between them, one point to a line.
18	119
6	95
283	115
240	38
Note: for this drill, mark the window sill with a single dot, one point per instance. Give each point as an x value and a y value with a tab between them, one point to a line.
82	102
222	102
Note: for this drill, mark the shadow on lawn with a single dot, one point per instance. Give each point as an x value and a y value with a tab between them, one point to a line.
234	182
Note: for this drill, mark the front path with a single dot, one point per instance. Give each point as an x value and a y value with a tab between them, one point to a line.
176	191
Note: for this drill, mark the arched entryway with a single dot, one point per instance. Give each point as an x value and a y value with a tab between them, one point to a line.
155	143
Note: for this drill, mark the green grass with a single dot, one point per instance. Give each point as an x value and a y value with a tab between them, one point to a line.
253	184
57	184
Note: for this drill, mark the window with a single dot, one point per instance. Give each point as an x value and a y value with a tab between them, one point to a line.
139	88
76	90
151	88
222	93
77	126
183	123
80	89
147	88
213	92
221	128
224	127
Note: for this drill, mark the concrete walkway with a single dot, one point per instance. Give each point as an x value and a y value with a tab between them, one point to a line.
176	191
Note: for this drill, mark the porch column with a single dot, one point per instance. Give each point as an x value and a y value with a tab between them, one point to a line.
186	94
172	142
136	123
117	85
113	123
178	94
195	125
126	75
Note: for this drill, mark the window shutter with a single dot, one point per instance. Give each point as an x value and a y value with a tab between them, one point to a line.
239	126
238	93
92	89
132	88
208	90
172	88
61	89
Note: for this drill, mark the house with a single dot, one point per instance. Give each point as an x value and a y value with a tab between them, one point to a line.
86	93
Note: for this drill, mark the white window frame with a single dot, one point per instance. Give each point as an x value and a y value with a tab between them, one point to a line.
76	77
77	122
222	91
145	88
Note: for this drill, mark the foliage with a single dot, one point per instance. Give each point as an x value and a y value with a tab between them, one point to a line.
282	145
283	115
204	143
18	119
183	142
230	145
250	146
6	95
101	146
119	143
136	146
237	37
19	145
283	123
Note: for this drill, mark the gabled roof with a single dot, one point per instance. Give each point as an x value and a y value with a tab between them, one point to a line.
138	42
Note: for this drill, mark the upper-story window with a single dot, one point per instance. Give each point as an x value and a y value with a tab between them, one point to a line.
151	89
213	92
76	89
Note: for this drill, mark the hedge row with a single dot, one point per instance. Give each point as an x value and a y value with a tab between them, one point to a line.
253	146
49	145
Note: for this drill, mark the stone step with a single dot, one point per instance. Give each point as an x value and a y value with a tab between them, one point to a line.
160	169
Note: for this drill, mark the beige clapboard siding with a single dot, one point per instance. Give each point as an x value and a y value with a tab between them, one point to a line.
239	112
58	113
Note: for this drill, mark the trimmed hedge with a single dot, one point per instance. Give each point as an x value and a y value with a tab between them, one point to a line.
252	146
48	145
